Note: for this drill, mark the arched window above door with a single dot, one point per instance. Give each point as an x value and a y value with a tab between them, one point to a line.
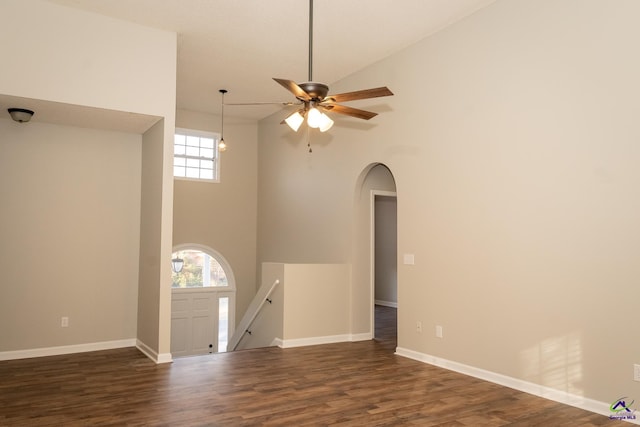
202	268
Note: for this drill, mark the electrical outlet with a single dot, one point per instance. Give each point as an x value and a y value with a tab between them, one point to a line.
636	372
438	331
419	326
64	322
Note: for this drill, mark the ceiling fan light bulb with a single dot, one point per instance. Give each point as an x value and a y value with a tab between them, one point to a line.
325	123
294	121
314	118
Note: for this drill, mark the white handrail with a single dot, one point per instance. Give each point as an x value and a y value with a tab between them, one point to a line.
255	314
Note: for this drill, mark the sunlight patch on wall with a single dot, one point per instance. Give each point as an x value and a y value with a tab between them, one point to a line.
555	362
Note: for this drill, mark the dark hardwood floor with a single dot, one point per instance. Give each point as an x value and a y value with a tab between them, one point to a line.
346	384
386	327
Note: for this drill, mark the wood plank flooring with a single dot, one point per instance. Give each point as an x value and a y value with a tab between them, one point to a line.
346	384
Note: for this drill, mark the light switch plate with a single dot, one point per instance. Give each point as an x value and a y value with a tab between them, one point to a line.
409	259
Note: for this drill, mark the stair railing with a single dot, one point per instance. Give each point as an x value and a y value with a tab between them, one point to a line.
266	299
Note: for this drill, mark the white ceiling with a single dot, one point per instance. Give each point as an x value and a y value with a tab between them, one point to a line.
239	45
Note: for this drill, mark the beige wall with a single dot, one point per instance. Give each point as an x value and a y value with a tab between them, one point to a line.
316	301
513	141
70	222
94	62
149	293
222	215
297	197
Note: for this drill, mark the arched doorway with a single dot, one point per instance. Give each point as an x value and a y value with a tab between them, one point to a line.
375	258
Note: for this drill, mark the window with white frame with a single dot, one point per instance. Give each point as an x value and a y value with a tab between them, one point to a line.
196	155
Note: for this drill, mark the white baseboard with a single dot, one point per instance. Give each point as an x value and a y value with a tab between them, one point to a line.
386	303
302	342
66	349
514	383
164	358
152	354
366	336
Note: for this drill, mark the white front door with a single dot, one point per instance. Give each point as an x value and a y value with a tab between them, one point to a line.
194	315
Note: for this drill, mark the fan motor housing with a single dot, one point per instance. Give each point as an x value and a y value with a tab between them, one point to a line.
317	91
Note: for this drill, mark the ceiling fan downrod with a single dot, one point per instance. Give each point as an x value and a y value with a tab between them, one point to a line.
310	40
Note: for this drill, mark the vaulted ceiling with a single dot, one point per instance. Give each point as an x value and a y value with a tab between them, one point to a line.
239	45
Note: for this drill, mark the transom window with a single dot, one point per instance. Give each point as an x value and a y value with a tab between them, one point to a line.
200	270
195	155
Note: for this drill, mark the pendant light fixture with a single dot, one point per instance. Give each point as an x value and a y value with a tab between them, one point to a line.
222	146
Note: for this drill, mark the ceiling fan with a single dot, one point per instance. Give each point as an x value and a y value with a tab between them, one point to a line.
314	99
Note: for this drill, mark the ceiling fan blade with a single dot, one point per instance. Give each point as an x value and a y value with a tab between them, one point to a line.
359	94
264	103
293	87
350	111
